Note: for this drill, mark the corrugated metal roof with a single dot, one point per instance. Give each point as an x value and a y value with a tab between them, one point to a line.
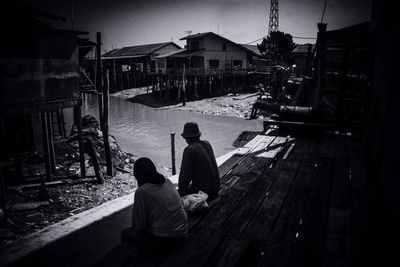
302	49
137	50
253	48
174	53
204	34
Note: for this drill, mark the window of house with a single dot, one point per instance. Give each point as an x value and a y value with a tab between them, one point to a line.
223	46
170	64
237	63
214	63
194	45
125	67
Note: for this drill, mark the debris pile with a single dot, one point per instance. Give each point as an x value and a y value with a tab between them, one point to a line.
33	206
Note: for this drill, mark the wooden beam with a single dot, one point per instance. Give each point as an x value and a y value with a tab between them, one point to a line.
99	77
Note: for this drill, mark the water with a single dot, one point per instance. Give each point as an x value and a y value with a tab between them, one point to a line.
145	131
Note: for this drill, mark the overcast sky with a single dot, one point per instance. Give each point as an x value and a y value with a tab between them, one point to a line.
133	22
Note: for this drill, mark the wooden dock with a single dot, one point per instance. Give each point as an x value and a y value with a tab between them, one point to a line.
283	202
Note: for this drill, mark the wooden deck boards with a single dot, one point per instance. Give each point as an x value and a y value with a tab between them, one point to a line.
285	202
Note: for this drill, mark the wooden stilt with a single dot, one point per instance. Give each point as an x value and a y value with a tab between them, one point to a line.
46	151
196	85
173	153
184	86
49	120
209	85
114	76
107	150
78	123
99	76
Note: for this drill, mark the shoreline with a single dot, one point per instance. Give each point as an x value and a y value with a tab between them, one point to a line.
237	105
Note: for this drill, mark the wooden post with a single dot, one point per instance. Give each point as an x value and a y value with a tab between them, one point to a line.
308	60
107	150
51	141
95	161
183	86
173	153
46	151
78	123
321	65
99	77
196	85
114	76
209	85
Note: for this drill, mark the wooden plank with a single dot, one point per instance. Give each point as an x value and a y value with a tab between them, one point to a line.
263	203
277	247
363	234
307	250
248	161
257	142
300	124
337	248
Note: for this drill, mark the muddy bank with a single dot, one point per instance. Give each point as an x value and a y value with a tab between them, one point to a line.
234	105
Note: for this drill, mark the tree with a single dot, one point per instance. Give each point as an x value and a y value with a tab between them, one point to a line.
277	44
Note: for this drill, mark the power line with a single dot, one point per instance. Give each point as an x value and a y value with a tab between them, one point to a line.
294	37
323	12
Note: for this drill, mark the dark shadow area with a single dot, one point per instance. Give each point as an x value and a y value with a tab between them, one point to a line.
153	101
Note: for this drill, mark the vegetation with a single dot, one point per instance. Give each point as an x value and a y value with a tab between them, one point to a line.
277	45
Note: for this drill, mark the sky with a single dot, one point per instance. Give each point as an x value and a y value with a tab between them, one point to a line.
134	22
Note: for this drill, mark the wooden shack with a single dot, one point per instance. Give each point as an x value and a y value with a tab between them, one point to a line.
129	66
39	76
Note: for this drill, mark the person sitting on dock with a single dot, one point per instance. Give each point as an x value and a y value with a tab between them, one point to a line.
159	218
199	169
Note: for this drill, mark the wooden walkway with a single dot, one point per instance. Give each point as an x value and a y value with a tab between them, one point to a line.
285	202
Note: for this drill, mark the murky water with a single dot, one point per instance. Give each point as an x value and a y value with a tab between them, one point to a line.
145	131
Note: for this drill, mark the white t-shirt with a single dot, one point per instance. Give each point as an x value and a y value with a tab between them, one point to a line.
158	210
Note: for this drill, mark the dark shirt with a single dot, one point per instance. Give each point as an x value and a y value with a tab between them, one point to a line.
199	170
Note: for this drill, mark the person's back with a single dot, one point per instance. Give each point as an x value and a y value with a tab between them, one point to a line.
199	169
158	216
166	216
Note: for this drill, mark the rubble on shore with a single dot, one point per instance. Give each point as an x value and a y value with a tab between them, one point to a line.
30	207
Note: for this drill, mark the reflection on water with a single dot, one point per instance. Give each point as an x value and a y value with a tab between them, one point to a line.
145	131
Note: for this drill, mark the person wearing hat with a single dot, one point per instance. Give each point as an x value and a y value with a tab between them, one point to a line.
158	217
199	169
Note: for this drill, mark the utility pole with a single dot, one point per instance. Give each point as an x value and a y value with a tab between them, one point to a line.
273	25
